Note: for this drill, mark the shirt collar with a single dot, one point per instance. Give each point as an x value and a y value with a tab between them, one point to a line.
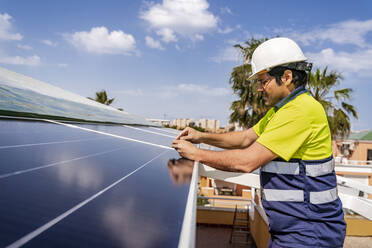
298	91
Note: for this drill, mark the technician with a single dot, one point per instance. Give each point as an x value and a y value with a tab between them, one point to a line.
292	146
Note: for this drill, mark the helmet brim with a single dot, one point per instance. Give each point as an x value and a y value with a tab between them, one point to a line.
255	75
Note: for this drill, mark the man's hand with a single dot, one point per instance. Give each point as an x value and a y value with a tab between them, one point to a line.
191	135
185	149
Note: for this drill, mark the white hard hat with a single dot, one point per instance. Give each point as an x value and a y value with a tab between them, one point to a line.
275	52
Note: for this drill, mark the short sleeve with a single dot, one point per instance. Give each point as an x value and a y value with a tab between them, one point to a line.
260	126
286	132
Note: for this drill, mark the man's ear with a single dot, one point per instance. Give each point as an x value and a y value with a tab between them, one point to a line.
287	77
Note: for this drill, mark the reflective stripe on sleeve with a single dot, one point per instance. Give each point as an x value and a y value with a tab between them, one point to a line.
323	196
315	170
282	168
283	195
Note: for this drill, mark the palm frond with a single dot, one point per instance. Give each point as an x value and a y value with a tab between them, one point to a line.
350	109
343	94
340	126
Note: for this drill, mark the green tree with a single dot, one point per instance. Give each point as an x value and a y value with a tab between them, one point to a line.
321	86
101	97
250	107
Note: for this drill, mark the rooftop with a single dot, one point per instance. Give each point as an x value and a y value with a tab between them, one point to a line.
360	135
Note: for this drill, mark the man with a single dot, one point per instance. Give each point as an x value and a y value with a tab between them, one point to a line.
291	144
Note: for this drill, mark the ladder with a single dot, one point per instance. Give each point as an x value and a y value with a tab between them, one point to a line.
240	234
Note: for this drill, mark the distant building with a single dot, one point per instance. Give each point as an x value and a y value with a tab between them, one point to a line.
212	125
353	156
159	121
183	122
357	146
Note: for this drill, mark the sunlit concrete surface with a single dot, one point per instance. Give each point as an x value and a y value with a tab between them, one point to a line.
358	242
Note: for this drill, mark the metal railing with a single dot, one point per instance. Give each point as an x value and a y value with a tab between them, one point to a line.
188	231
354	162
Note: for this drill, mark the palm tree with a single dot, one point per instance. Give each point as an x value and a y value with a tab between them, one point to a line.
320	86
101	97
250	106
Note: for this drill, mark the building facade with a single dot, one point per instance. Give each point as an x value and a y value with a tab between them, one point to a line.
183	122
356	147
209	124
353	157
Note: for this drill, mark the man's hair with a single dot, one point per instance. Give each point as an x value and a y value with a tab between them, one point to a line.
299	76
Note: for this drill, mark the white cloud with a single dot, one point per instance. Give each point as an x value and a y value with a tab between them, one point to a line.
344	62
150	42
24	47
49	43
225	31
100	41
356	61
346	32
176	91
199	37
18	60
5	28
229	54
202	89
167	35
63	65
226	10
179	17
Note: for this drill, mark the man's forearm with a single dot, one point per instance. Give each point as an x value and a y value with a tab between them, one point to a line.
245	160
230	140
228	160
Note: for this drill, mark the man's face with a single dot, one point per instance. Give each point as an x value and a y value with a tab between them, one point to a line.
272	92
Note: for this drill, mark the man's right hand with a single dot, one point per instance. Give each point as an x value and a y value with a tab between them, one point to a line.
191	135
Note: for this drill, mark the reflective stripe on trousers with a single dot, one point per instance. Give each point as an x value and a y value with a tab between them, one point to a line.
298	195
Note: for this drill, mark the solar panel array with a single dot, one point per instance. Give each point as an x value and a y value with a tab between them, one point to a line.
74	184
68	187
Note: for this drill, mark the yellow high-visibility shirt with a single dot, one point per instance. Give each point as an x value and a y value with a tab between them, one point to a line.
299	129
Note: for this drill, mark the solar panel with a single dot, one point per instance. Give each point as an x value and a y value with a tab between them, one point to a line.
13	133
131	133
145	209
66	182
25	96
165	130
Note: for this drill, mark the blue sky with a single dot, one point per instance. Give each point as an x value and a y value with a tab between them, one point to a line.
173	59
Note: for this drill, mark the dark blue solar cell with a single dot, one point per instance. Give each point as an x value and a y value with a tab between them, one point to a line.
132	133
146	209
13	132
170	131
56	154
166	131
